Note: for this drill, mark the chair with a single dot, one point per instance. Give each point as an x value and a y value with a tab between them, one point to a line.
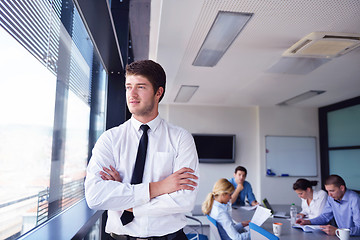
258	233
213	228
216	229
194	234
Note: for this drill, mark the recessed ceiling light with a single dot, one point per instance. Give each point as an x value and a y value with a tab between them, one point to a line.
301	97
185	93
225	29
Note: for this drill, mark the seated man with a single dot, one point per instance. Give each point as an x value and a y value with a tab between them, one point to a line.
342	204
242	188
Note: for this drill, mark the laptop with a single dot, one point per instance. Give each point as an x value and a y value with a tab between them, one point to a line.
275	214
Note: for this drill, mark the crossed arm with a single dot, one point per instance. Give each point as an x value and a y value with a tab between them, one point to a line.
179	180
172	190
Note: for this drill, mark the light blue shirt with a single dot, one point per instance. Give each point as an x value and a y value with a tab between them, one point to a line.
234	231
245	193
346	212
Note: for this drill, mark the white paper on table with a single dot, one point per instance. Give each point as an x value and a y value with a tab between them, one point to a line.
260	215
249	207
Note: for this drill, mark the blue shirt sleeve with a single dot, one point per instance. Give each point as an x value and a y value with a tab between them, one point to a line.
249	193
325	216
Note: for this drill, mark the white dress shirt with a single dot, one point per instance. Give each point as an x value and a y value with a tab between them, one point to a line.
316	205
170	148
235	231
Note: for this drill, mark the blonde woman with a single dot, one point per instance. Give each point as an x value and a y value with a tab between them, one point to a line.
216	206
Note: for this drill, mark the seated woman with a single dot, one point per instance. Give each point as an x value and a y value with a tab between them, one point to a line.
216	206
312	202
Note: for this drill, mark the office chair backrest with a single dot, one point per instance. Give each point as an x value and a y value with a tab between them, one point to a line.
216	229
258	233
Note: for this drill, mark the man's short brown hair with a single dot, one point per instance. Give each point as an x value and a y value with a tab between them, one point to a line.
241	168
150	70
335	180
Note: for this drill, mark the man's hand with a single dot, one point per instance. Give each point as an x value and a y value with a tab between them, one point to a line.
237	191
240	186
110	174
179	180
328	229
113	175
303	221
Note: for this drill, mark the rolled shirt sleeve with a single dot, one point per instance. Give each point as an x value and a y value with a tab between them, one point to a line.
110	195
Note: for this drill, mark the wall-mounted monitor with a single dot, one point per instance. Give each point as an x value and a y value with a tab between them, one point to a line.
215	148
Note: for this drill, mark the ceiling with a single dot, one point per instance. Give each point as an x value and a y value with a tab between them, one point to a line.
252	72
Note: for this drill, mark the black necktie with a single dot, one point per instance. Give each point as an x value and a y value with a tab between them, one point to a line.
137	176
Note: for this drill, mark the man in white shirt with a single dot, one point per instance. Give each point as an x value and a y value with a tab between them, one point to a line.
169	183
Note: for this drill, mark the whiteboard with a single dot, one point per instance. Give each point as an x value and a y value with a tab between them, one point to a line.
291	156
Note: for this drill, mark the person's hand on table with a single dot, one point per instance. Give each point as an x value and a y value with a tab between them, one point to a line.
328	229
303	221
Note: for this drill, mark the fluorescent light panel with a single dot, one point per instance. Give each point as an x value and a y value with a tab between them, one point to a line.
301	97
185	93
223	32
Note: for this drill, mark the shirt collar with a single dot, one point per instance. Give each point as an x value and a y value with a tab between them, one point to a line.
346	196
220	205
153	124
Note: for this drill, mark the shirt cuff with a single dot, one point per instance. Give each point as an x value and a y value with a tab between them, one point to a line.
141	194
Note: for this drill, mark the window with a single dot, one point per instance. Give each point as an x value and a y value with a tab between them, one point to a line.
52	100
340	141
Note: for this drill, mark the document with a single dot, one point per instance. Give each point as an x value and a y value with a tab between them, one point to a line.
307	228
260	215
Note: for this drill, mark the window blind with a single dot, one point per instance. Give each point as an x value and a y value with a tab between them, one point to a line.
37	26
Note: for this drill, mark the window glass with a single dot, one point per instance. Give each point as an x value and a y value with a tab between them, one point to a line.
27	100
52	112
344	127
346	164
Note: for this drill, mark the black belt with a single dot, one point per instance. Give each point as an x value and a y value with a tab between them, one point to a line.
169	236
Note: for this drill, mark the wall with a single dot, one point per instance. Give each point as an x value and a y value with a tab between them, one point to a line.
251	125
285	121
239	121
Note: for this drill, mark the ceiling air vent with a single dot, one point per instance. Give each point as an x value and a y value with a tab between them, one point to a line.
324	45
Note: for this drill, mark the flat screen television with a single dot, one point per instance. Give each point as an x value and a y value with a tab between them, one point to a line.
215	148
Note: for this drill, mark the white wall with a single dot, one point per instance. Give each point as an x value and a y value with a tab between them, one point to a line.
251	125
286	121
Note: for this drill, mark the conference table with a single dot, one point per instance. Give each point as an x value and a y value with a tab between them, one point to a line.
288	233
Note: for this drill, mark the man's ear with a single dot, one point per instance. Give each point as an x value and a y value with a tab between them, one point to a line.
159	92
342	188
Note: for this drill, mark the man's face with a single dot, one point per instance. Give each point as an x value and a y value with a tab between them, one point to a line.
239	177
140	96
335	192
